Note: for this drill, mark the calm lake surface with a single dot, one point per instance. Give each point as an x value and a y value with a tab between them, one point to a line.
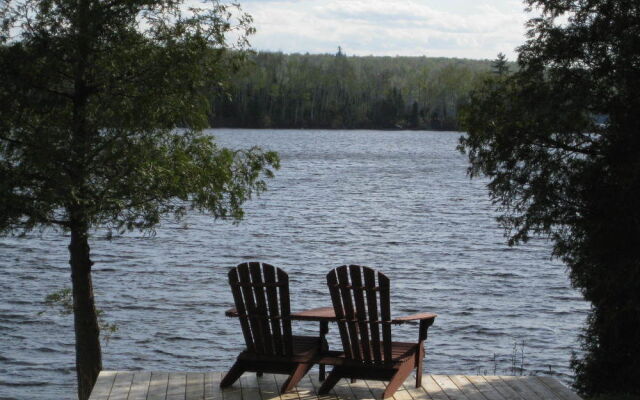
396	201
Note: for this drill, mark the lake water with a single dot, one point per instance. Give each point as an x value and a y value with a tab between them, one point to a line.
396	201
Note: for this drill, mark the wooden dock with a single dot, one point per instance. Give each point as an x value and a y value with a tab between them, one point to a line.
144	385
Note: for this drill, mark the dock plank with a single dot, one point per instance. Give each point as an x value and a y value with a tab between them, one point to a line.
145	385
450	388
345	387
195	386
539	388
250	387
564	392
518	386
377	388
291	395
102	388
484	387
306	390
433	389
177	389
416	393
466	387
504	389
361	389
233	392
158	386
140	386
121	386
212	386
343	391
315	381
402	394
269	390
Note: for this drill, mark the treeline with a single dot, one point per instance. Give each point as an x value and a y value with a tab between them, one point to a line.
276	90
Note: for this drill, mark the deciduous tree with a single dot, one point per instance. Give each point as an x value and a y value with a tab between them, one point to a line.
91	95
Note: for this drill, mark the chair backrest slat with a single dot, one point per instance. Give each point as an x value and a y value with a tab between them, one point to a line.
372	308
361	312
274	309
255	269
332	281
252	311
362	327
262	304
240	308
385	315
349	312
283	278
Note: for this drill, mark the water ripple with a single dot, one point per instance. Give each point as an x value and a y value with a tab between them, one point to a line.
396	201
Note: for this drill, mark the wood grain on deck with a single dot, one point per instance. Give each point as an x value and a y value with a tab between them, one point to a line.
145	385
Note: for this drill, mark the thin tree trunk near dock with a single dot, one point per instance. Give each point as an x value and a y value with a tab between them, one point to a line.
87	331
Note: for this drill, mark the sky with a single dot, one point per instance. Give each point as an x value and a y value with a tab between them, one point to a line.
477	29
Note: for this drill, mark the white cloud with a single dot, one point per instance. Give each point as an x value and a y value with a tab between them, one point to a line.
453	28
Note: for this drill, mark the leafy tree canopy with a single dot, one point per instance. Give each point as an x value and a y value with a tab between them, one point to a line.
560	140
91	95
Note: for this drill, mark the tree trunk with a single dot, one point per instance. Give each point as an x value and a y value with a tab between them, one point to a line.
88	352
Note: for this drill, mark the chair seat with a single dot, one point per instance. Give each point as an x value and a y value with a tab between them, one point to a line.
304	348
306	345
400	351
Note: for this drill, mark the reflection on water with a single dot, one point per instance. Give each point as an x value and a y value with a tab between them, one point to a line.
396	201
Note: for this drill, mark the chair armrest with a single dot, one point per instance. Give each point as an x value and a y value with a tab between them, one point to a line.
414	317
319	314
232	312
426	320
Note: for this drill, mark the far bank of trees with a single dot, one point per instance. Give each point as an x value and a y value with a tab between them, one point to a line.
276	90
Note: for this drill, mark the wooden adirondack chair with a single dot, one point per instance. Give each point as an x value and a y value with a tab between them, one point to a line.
261	296
360	298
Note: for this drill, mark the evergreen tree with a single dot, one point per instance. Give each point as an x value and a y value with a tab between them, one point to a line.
499	66
560	140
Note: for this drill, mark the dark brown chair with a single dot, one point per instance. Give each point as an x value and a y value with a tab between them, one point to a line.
360	299
261	296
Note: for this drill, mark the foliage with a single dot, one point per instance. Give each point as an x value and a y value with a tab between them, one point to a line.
127	166
614	397
62	301
91	95
560	140
336	91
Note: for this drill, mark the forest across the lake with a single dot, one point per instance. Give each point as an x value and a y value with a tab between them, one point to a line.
336	91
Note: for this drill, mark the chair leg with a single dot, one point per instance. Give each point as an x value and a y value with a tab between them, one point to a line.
419	362
398	379
234	373
298	373
333	378
324	347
